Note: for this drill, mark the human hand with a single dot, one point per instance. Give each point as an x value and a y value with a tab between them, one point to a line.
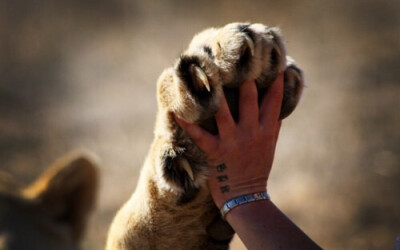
241	155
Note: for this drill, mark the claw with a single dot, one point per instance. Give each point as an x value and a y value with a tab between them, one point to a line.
186	166
278	50
297	74
249	43
202	77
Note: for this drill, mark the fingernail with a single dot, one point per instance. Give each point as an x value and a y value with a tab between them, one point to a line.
195	133
177	119
180	122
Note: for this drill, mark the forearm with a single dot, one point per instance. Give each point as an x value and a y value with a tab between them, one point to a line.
261	225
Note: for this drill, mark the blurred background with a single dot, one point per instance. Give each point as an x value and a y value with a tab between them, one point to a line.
82	74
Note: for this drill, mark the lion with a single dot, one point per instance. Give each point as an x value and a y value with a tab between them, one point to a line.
171	207
51	213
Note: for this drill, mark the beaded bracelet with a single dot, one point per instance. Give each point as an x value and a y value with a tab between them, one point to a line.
229	205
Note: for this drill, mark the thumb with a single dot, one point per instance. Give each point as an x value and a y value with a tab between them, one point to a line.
204	140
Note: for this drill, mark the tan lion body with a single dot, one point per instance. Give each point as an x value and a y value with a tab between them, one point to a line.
171	207
51	213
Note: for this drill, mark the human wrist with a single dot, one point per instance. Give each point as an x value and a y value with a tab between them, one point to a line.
242	200
221	198
251	208
235	178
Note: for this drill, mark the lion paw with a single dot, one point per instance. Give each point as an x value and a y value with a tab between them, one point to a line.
216	63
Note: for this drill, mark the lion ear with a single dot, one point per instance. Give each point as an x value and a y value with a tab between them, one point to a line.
67	191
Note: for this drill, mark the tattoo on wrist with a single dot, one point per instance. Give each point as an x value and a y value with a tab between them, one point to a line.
221	178
224	189
221	167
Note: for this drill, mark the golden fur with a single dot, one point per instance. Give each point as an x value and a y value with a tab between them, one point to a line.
171	207
51	213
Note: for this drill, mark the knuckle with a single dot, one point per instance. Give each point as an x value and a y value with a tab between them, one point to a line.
269	136
252	141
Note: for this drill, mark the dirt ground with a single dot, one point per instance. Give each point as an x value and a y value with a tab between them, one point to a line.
82	74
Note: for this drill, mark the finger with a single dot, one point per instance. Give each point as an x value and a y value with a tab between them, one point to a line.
270	108
248	106
204	140
276	135
277	130
226	124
